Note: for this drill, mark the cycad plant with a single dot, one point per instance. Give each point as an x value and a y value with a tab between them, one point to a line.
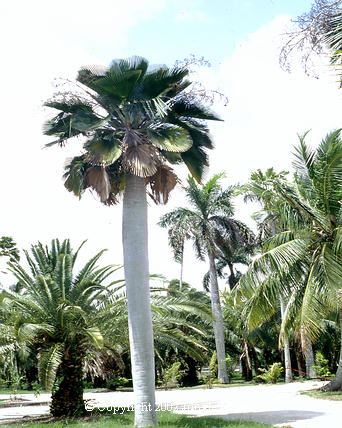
136	124
304	259
57	312
208	224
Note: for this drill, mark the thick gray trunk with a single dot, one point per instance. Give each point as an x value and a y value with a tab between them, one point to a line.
336	383
287	355
218	322
309	355
135	251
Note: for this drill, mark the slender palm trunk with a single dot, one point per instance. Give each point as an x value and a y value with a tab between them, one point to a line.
135	250
336	383
181	269
232	277
218	322
287	355
308	354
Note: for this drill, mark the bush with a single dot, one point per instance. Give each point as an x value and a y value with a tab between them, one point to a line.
172	374
322	366
115	382
271	375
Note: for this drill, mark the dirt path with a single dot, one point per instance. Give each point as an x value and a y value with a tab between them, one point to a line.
273	404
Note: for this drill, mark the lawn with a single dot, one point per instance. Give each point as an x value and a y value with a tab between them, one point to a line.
166	419
330	395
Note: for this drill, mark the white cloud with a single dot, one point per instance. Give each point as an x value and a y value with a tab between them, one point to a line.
268	106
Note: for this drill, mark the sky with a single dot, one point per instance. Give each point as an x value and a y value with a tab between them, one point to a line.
241	39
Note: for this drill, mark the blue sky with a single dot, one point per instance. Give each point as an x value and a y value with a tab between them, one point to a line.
241	38
178	28
205	28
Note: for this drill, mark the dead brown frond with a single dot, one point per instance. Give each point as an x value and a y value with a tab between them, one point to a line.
103	364
141	159
161	183
97	178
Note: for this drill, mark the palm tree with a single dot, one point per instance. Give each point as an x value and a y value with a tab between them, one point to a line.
135	123
269	224
57	313
306	256
333	38
210	223
230	256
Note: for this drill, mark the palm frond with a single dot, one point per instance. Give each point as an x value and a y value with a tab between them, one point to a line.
48	361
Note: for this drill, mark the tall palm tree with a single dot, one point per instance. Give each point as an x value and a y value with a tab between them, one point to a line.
209	223
306	256
269	224
135	123
57	313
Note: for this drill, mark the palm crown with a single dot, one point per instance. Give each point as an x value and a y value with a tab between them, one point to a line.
134	119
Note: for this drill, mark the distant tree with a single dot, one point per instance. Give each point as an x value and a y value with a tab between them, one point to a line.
308	38
9	248
209	223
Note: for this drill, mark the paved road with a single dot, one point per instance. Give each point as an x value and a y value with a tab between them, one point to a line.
273	404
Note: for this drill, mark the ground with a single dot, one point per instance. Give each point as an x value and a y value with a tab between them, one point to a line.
281	405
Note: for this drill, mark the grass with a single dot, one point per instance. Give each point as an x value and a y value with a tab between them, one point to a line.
165	419
5	391
329	395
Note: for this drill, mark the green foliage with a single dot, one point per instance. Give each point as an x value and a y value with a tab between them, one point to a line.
115	382
301	241
172	374
230	363
9	248
213	365
322	365
271	375
14	384
145	123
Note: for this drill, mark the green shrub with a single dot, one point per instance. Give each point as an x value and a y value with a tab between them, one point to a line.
271	375
172	374
322	365
114	382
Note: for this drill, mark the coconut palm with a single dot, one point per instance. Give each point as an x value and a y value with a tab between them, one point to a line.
306	255
210	223
269	224
333	38
136	124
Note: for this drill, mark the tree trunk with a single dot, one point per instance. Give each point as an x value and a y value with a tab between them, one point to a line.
218	322
68	399
287	355
256	361
246	365
300	361
135	251
309	355
336	383
232	278
181	269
